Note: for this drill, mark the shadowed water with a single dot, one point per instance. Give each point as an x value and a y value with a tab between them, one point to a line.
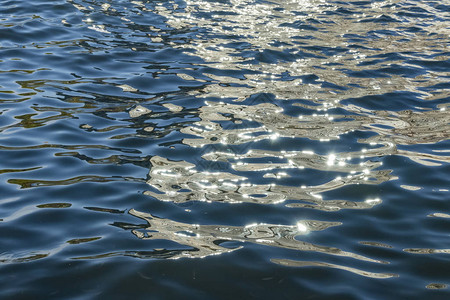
224	149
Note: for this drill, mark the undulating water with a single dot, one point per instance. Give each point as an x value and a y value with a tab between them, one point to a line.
239	149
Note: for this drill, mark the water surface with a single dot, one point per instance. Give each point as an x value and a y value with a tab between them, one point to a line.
224	149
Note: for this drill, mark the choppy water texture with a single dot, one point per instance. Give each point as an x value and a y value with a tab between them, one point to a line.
224	149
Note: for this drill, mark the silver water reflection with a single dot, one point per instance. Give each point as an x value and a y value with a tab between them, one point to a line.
179	182
331	61
296	263
294	50
282	41
206	240
170	177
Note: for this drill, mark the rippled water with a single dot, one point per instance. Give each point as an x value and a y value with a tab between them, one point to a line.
224	149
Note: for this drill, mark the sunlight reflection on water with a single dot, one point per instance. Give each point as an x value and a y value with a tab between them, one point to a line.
315	133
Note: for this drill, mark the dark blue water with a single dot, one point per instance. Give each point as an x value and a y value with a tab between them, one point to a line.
224	149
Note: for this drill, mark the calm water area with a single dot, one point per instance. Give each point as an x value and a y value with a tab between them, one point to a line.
224	149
